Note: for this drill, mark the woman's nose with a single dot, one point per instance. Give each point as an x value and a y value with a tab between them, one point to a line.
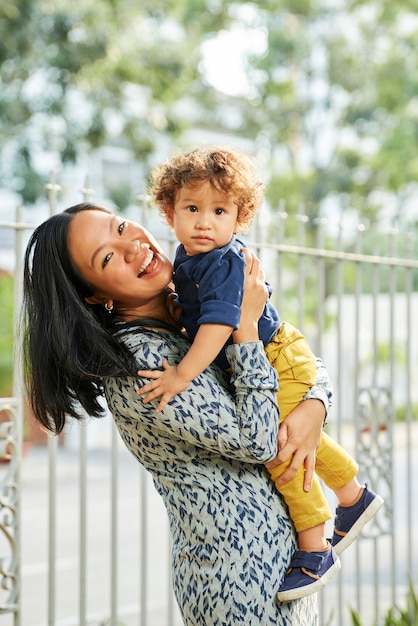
131	250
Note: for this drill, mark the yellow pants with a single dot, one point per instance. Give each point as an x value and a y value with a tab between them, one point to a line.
290	355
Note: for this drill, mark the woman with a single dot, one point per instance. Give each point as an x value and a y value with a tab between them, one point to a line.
95	295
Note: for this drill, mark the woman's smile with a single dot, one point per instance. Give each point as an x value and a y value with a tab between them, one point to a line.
112	254
147	261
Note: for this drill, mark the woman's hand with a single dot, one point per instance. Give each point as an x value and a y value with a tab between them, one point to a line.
299	437
253	301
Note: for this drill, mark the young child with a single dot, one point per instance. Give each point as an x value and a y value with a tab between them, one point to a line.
207	196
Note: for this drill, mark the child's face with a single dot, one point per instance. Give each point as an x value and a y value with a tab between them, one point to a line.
203	218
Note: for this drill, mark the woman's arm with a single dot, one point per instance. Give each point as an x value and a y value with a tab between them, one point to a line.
209	341
239	421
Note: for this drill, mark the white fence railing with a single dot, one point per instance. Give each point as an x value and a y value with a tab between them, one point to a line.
83	535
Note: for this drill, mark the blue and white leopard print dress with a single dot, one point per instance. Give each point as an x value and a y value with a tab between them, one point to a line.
232	539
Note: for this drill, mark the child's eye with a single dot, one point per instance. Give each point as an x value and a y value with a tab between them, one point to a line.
192	208
121	227
219	211
106	260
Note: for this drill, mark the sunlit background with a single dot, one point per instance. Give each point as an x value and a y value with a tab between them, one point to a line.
324	94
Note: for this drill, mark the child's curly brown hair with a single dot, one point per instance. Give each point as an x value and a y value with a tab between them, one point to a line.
227	169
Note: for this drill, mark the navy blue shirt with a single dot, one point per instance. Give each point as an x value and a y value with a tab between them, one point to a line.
210	288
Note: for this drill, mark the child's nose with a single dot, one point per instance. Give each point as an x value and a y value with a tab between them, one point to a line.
202	221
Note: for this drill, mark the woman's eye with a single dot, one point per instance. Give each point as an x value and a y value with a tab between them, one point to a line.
219	211
121	227
106	260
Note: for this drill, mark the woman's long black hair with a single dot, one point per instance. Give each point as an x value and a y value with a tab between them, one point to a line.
69	346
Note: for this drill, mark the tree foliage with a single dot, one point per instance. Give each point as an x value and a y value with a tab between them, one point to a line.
331	104
76	75
337	88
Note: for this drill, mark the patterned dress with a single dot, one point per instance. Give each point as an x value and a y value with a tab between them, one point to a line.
232	539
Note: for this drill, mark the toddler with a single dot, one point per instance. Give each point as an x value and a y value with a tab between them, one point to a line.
208	196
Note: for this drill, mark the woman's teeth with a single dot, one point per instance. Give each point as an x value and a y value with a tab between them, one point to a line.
146	262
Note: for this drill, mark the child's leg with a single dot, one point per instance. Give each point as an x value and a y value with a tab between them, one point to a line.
290	355
349	493
313	538
315	562
308	510
337	468
357	504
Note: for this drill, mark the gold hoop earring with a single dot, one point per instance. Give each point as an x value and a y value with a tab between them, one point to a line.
108	308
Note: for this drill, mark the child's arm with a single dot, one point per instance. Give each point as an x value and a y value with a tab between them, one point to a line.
209	340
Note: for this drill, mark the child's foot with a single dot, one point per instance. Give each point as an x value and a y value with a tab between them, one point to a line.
350	520
308	572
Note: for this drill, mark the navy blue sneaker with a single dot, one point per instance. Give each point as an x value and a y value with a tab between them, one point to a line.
350	520
308	572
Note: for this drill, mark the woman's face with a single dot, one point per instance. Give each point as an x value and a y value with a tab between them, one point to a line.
121	260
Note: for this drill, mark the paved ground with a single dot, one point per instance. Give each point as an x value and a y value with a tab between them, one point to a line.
35	550
155	611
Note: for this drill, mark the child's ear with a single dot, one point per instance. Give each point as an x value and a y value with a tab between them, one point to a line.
169	215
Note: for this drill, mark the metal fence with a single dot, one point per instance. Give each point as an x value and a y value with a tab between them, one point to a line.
83	536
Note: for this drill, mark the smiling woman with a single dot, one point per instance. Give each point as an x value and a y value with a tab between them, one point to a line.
126	265
231	535
69	330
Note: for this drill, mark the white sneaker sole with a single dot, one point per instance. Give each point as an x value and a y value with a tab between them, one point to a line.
356	528
307	590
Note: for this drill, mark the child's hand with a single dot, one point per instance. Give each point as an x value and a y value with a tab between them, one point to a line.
166	384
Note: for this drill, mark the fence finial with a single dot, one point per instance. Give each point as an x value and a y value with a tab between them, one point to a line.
52	188
86	190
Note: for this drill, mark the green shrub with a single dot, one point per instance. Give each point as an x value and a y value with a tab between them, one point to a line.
6	334
400	413
396	616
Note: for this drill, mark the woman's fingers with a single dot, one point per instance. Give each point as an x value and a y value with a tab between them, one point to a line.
253	265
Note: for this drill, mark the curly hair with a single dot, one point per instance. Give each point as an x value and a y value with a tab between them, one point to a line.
227	169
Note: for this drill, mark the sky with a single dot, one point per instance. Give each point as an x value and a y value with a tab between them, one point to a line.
224	58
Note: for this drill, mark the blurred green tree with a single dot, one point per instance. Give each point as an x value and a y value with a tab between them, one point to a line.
337	88
76	75
330	105
6	334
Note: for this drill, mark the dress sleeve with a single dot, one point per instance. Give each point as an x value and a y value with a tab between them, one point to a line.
322	390
238	420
